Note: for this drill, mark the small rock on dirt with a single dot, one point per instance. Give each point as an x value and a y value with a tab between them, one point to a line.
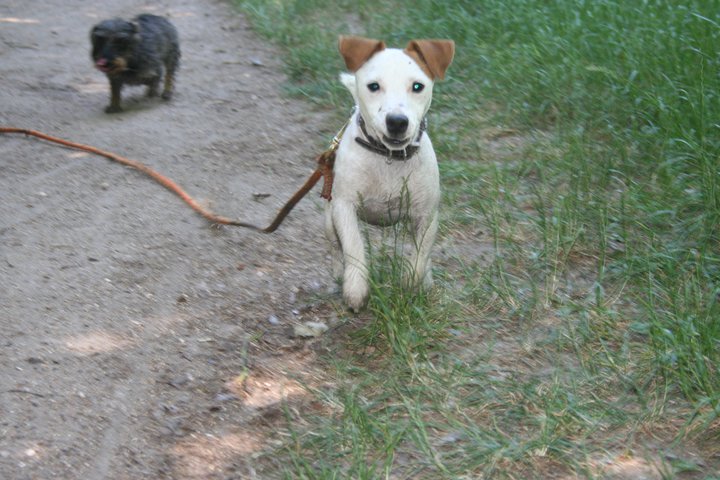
310	329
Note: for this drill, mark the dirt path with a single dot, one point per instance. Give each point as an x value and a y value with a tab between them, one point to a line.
126	322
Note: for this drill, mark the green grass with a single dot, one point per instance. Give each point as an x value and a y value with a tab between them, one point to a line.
597	314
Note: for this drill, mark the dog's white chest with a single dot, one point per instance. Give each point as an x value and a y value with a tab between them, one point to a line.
384	190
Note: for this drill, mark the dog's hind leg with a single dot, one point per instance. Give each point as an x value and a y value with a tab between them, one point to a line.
171	65
153	85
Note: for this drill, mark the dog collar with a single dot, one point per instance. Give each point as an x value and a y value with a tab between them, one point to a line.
378	147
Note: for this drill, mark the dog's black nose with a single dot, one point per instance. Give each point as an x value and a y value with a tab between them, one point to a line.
396	124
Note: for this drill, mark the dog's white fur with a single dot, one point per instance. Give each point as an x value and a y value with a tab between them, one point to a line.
370	187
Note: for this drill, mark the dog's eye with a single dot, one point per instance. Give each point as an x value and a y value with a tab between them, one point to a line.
418	87
373	86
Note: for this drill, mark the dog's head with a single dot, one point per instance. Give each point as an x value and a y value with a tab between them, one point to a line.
113	44
393	87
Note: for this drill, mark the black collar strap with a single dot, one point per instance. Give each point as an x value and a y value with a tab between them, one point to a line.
378	147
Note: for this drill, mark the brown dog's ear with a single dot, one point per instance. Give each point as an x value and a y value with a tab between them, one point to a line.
433	56
358	50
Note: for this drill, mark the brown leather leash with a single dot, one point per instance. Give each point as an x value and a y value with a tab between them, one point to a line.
325	161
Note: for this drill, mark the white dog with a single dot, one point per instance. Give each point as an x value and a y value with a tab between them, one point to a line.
385	169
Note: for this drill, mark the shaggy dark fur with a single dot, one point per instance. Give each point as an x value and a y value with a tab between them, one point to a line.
137	52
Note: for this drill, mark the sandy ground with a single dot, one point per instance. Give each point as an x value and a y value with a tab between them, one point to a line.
127	323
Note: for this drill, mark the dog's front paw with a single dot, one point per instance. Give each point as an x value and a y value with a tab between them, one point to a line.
113	109
355	301
355	290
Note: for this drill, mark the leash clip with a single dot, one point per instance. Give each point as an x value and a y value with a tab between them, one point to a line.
335	143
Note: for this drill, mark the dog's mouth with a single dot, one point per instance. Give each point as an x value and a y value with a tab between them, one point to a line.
115	66
395	143
102	65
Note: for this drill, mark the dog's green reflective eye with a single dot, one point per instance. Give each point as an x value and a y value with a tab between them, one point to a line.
373	87
418	87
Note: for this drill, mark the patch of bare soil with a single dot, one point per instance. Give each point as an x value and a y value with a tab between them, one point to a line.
128	325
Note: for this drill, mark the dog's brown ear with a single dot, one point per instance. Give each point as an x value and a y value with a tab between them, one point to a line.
433	56
358	50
